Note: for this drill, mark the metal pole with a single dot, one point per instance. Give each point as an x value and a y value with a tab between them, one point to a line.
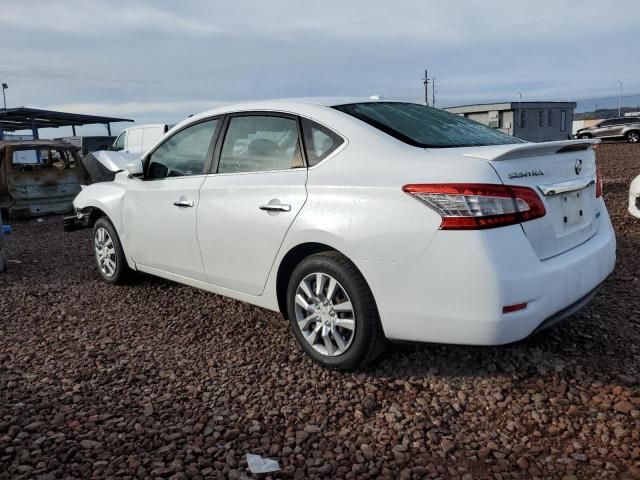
4	99
620	100
433	92
425	80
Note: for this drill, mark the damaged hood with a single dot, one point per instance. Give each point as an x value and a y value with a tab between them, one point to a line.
103	165
114	161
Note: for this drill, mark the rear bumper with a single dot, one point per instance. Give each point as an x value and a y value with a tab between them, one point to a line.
456	292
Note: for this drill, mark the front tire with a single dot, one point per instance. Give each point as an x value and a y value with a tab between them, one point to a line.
332	312
633	137
585	136
110	259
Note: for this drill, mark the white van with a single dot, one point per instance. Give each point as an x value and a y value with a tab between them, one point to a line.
136	140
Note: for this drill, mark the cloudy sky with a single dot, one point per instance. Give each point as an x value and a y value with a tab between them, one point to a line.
162	60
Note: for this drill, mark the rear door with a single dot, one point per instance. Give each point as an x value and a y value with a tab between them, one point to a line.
564	176
248	204
603	129
616	128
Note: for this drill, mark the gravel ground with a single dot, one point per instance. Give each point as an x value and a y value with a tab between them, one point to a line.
161	380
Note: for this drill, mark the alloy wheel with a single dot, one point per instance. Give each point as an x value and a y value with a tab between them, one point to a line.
105	252
325	314
633	137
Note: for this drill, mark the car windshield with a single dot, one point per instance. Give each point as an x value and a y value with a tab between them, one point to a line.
423	126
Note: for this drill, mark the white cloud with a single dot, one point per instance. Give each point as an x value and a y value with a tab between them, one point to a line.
137	108
144	58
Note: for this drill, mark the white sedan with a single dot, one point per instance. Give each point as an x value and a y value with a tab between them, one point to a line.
362	222
634	197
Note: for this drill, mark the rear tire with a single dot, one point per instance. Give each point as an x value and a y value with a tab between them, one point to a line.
633	136
108	252
332	312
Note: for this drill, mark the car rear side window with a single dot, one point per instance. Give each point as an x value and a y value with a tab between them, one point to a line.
184	153
258	143
423	126
319	141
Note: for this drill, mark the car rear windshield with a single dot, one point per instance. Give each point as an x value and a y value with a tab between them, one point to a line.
424	127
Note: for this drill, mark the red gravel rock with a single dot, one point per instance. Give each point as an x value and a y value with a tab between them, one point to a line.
159	379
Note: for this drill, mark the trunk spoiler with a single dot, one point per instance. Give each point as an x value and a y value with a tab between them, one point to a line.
508	152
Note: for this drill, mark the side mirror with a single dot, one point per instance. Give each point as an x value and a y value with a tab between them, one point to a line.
135	168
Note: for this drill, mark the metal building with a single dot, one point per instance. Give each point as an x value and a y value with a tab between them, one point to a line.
532	121
23	118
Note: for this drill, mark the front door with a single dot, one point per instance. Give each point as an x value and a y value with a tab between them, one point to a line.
248	205
160	209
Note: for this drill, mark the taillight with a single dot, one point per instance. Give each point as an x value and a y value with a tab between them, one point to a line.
472	206
598	183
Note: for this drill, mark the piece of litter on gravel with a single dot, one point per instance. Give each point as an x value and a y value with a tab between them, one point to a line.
257	464
40	220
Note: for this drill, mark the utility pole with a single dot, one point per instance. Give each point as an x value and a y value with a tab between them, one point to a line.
425	81
433	92
620	100
4	99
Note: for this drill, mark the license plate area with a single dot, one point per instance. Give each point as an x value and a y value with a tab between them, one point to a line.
572	209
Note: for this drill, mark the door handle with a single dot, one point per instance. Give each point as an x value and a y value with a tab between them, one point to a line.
183	203
276	207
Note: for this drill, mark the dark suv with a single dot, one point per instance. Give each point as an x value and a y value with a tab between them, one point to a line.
627	127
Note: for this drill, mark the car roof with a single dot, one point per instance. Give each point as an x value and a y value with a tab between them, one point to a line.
147	125
37	144
292	105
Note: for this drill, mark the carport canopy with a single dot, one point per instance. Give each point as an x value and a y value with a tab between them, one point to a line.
24	118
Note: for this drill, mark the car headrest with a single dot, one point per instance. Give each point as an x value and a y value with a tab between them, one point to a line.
263	147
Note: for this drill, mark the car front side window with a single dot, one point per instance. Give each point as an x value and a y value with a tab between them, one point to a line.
119	143
258	143
184	153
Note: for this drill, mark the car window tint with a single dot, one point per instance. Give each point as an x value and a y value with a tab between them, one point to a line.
320	142
184	153
257	143
422	126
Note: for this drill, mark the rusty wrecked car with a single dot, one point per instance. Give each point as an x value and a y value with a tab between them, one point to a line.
38	177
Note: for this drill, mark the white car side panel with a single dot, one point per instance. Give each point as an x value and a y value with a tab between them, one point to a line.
634	193
108	197
238	240
160	234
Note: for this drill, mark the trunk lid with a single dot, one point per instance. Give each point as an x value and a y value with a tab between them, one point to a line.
563	174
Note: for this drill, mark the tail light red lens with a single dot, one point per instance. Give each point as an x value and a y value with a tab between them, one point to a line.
474	206
514	308
598	183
